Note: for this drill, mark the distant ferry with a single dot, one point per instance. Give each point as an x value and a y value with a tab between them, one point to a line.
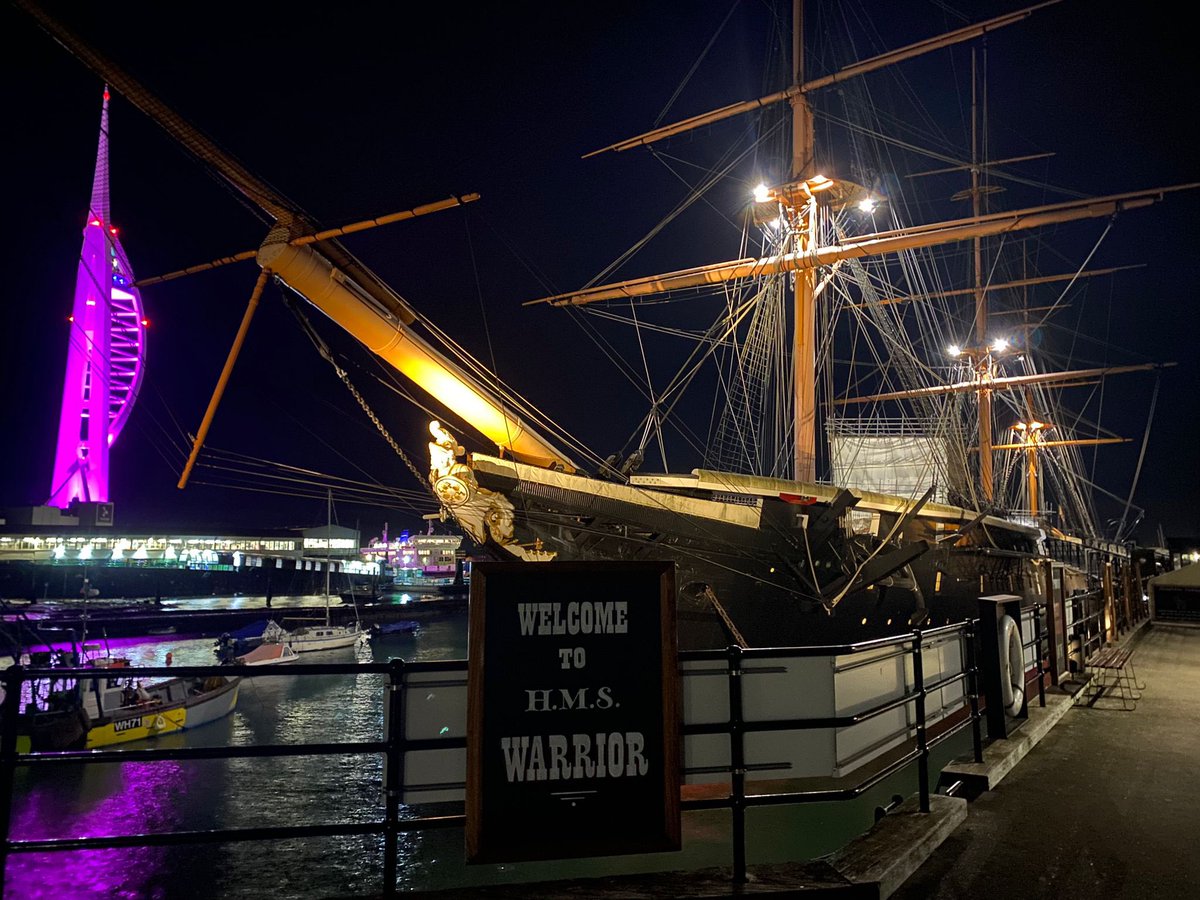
423	561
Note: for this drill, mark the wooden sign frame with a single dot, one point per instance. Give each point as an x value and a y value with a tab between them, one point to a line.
573	711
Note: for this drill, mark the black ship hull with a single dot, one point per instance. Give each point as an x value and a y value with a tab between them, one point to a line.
787	568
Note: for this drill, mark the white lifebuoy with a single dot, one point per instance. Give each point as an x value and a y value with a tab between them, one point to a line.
1012	667
159	723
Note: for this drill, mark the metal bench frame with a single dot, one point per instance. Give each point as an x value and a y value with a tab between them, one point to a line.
1118	661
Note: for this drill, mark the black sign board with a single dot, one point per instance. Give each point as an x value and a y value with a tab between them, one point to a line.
572	711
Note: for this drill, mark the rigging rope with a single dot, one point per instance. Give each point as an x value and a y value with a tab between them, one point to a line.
1141	458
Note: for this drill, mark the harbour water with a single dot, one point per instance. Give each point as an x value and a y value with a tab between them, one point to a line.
151	797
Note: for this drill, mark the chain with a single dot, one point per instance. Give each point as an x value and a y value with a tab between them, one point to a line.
341	373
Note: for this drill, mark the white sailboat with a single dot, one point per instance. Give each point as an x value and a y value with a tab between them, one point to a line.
322	636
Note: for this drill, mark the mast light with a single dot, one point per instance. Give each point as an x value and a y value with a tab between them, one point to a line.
954	350
999	345
868	205
762	193
819	183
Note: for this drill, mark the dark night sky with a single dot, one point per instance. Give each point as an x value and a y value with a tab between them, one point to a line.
357	112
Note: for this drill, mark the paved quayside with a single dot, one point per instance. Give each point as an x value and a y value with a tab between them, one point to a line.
1107	805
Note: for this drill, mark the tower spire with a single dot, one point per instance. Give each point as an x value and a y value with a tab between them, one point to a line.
99	204
106	350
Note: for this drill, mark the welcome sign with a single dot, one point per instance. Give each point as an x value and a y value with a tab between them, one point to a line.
573	711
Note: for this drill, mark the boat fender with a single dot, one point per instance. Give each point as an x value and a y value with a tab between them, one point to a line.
1012	667
159	723
170	657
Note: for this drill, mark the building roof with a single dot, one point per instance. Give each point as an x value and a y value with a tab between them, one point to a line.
1185	577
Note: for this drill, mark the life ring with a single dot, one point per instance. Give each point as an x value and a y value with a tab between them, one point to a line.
159	723
1012	667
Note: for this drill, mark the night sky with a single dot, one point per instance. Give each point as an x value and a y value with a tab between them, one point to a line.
358	112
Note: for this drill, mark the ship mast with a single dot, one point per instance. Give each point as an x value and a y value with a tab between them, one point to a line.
804	302
800	195
983	361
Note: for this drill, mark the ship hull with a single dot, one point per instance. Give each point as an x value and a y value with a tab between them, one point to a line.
784	565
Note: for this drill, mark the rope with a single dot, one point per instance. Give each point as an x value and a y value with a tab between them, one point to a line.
1141	457
379	426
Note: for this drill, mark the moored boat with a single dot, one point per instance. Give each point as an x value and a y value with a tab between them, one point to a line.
267	655
317	636
405	626
119	710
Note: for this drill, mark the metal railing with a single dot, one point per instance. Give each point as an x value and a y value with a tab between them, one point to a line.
738	800
1041	649
393	745
1087	626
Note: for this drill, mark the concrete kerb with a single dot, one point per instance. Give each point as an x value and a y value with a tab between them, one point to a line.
1001	756
899	844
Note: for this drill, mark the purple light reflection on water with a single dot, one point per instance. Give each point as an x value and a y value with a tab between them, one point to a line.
149	649
122	798
203	795
109	799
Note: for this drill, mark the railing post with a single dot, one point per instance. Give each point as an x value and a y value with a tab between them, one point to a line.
394	782
1037	652
14	677
922	743
737	761
973	688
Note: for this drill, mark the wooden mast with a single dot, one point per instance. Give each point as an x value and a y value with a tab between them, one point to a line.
804	225
981	359
804	360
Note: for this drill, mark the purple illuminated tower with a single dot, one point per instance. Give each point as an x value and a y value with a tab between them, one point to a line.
106	352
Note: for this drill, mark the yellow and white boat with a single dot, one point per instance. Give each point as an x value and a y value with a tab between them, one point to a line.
121	711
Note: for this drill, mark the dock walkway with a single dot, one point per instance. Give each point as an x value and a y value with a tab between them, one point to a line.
1107	805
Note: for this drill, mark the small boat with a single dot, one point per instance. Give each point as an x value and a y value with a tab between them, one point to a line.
267	655
360	593
318	636
322	635
54	719
403	627
120	710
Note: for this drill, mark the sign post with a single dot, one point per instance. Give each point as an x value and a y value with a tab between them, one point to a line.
572	711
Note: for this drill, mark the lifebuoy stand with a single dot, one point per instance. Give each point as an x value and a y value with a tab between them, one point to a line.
992	610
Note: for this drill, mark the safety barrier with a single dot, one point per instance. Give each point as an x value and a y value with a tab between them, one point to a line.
922	681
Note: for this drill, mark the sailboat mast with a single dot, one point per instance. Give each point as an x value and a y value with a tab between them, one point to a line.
328	542
804	301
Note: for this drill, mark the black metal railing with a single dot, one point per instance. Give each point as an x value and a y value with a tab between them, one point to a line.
738	801
393	745
1087	626
1041	649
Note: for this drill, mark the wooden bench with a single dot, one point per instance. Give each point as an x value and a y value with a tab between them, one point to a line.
1118	661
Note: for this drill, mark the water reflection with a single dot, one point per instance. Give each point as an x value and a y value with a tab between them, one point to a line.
156	797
